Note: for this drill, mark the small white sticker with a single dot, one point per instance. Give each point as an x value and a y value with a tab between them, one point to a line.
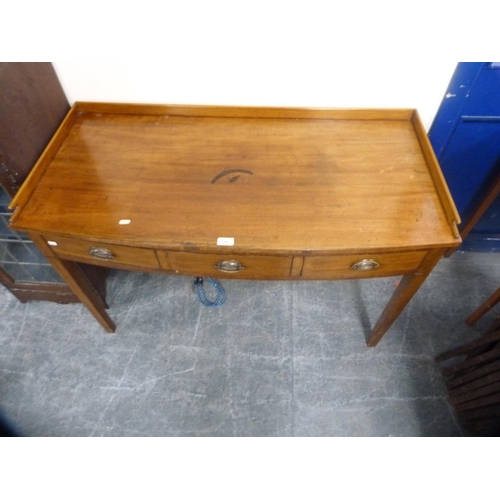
124	222
52	243
225	242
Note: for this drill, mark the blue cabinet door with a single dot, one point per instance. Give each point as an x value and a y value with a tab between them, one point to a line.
465	135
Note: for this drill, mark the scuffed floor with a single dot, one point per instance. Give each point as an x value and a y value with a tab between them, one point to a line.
277	359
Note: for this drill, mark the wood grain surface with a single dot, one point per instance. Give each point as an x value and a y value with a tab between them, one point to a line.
280	181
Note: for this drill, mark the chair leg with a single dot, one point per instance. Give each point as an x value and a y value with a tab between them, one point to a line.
486	306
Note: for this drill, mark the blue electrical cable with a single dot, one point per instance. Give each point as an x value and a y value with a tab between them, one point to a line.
221	294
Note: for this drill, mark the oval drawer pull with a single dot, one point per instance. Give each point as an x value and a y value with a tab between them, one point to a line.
101	253
229	266
365	265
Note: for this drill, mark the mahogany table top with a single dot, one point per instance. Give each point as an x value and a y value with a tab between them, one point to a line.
276	180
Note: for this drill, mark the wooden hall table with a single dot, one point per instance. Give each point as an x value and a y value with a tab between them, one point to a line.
233	192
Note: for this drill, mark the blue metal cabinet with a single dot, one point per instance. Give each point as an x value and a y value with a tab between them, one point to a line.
465	135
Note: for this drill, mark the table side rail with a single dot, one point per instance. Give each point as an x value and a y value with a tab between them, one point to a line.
442	189
22	196
246	111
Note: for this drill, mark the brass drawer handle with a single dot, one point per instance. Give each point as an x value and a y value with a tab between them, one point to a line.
229	266
101	253
365	265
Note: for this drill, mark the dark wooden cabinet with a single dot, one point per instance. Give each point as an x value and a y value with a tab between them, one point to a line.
32	106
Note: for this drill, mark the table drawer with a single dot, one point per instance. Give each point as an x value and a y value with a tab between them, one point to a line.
361	265
226	266
103	253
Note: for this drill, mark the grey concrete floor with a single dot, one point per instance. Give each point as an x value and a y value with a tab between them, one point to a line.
277	359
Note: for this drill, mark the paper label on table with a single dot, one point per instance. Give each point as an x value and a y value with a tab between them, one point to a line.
225	242
52	243
124	222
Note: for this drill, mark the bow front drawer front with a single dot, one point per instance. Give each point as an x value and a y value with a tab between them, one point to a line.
281	267
105	254
361	265
226	266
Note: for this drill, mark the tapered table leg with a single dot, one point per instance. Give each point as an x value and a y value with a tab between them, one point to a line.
405	291
79	284
486	306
